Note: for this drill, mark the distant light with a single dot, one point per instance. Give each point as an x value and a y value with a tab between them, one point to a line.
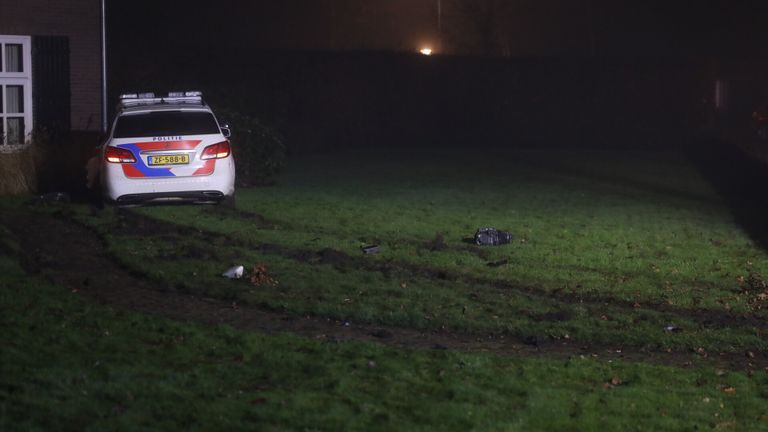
426	51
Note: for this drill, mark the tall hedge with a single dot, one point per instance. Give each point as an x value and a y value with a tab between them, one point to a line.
259	150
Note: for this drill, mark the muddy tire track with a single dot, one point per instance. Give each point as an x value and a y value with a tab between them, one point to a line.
76	258
705	318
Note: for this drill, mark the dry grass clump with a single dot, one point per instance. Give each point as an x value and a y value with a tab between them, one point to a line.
18	174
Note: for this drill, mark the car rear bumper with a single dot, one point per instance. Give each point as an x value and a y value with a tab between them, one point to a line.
213	187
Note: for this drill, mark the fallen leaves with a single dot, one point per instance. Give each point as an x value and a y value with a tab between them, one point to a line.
614	382
756	281
260	276
755	288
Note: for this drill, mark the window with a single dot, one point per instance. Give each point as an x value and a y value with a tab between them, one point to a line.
15	91
14	56
165	123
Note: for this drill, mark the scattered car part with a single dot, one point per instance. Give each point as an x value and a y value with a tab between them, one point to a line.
235	272
492	237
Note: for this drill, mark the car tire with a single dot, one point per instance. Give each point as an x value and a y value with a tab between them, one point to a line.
95	194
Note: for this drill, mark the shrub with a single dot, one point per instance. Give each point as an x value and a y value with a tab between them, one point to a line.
17	172
259	150
19	168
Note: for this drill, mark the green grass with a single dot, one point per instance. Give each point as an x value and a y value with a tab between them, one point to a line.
639	229
67	364
614	229
401	298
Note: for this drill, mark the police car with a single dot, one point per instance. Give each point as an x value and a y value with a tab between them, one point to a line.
167	148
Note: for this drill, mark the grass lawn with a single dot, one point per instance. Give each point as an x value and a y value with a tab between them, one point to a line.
67	364
635	227
610	249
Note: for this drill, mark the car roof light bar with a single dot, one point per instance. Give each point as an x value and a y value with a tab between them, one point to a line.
139	99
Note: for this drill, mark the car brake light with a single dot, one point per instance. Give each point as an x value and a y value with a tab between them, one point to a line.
216	151
119	155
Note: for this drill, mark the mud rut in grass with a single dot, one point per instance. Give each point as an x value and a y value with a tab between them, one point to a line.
141	225
75	257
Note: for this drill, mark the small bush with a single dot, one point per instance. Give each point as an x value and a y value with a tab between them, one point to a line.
17	172
259	150
19	168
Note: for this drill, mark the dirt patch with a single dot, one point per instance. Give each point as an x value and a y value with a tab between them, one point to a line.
437	243
68	253
132	223
243	215
552	316
335	258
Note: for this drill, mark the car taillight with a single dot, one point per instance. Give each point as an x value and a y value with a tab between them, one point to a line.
119	155
216	151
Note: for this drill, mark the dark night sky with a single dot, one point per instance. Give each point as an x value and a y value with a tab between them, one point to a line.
516	27
623	61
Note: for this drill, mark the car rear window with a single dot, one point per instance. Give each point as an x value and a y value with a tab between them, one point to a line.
165	123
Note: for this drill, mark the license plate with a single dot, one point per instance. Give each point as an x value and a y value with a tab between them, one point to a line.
177	159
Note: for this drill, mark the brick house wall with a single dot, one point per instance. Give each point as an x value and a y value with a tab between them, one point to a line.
80	22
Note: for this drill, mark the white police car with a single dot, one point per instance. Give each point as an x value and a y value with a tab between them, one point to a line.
167	148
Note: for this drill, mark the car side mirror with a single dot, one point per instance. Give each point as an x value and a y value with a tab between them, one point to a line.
225	130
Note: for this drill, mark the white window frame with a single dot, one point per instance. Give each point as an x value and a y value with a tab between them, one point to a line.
23	79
